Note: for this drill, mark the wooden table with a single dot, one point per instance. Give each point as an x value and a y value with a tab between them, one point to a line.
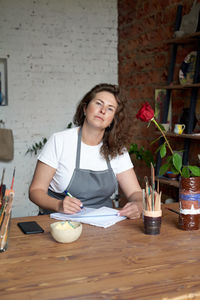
119	262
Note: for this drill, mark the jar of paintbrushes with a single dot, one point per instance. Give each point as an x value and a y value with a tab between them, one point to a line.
152	213
6	200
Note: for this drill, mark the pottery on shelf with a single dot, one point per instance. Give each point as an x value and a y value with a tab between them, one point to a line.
171	175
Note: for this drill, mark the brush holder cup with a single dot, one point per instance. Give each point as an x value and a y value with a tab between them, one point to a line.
152	222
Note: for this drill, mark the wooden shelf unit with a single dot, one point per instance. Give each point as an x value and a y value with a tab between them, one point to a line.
193	39
180	86
193	136
185	39
168	181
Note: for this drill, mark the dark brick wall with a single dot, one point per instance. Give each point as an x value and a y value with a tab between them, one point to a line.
144	28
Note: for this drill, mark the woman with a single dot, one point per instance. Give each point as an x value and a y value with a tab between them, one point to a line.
89	161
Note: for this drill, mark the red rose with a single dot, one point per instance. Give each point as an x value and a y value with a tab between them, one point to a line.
146	113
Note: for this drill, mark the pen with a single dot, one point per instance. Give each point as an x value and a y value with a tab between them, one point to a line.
70	195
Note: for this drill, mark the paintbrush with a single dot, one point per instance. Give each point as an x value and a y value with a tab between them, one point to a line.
3	209
11	191
143	199
2	177
152	184
175	211
13	178
146	184
158	186
1	187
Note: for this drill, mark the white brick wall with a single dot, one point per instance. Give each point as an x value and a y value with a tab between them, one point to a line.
57	51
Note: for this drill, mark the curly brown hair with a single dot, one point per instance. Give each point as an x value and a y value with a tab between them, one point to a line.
116	138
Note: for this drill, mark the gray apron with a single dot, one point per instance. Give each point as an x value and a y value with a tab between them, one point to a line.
93	188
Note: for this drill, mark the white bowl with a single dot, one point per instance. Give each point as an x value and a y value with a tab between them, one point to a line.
66	231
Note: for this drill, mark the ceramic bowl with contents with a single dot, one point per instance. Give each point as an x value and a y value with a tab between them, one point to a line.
66	231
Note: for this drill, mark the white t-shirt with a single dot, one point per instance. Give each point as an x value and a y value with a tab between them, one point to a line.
60	153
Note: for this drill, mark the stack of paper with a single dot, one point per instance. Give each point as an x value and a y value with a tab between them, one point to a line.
102	217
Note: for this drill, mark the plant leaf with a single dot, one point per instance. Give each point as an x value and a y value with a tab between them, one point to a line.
158	149
174	170
177	161
194	170
156	140
185	172
169	160
163	150
163	169
69	125
133	148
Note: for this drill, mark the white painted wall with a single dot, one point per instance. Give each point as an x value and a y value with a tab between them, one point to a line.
57	51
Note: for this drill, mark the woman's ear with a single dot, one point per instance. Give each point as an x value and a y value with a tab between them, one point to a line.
84	110
85	105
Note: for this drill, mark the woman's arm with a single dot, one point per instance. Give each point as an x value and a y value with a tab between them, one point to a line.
38	191
131	188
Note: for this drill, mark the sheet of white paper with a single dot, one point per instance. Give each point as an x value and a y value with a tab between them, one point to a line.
102	217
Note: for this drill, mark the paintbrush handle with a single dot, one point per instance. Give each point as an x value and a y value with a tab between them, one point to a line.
152	184
4	232
13	178
172	210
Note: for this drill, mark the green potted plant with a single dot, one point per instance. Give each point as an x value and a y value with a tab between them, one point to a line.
174	160
142	154
189	188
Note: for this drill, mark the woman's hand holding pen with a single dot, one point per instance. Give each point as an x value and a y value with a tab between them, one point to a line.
71	205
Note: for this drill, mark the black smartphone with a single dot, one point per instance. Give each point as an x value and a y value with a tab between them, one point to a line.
30	227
